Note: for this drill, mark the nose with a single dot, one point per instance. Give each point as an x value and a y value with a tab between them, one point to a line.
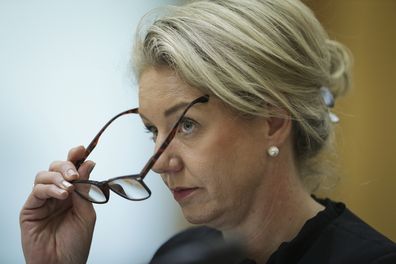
169	161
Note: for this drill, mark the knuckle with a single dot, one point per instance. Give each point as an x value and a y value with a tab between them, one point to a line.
55	165
52	188
39	175
37	189
69	164
61	166
55	177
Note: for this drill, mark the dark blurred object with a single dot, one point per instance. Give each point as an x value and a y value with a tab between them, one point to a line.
197	246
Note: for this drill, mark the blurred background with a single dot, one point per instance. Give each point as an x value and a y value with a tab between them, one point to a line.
366	135
64	71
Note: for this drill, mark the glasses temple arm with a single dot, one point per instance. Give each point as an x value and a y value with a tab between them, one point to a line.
95	140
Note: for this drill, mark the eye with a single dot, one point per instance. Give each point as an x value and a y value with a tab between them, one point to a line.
153	131
187	126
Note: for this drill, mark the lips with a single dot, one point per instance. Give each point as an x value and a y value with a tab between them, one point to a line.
181	193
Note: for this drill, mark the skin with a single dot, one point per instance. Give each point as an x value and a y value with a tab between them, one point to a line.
221	156
57	225
241	190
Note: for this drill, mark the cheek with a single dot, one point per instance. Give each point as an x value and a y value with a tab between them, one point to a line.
226	165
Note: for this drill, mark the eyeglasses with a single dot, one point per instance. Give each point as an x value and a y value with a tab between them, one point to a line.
130	187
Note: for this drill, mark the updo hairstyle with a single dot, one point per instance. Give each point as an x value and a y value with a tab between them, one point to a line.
253	54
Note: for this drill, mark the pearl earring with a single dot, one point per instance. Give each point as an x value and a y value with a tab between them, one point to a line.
273	151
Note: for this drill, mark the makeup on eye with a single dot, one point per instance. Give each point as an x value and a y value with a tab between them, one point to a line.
150	129
187	126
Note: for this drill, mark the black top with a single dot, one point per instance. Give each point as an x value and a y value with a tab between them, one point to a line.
334	235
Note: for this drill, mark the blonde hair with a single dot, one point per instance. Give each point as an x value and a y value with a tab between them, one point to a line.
251	54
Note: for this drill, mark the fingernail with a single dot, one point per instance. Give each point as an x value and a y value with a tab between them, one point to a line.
71	172
66	184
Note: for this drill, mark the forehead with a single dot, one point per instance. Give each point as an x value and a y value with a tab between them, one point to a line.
160	84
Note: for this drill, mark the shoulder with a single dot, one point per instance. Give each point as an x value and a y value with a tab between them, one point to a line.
356	236
348	239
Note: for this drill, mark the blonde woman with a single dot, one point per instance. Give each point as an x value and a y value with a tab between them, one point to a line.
238	97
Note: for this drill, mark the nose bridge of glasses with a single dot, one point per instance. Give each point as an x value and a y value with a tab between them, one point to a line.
130	187
117	188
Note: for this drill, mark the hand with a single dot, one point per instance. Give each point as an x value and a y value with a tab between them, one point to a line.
56	224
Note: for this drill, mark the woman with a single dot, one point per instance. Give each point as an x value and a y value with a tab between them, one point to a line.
244	162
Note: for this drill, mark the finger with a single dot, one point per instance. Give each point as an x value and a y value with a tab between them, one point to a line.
46	191
66	168
52	177
41	193
86	169
76	154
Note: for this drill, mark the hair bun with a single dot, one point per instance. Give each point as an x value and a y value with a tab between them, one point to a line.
340	68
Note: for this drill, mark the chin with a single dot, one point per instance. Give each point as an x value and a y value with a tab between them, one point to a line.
197	219
195	216
201	215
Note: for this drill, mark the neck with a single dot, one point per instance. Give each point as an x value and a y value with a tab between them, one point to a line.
276	219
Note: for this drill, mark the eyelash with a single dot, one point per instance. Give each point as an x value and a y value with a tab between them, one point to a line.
153	130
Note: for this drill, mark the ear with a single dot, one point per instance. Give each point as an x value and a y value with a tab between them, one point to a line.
279	128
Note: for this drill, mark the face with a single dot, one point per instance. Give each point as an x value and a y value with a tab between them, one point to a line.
216	164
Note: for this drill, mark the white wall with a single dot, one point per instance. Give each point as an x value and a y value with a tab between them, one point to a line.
63	72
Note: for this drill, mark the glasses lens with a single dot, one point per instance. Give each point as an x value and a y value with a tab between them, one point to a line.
129	188
90	192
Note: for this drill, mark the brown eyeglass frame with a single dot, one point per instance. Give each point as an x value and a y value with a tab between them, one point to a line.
103	185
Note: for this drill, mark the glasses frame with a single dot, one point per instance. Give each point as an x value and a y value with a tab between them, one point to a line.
104	185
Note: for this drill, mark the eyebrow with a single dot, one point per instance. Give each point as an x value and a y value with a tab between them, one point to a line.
170	111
